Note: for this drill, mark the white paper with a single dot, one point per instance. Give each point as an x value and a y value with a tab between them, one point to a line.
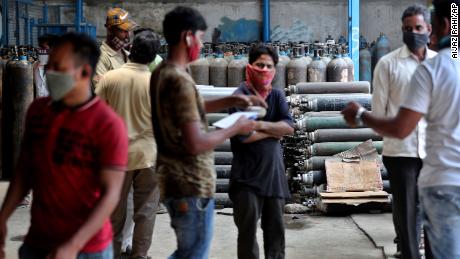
232	118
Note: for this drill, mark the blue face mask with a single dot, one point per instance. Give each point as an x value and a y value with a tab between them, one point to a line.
59	84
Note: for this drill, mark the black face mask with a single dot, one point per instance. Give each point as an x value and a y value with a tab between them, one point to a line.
415	40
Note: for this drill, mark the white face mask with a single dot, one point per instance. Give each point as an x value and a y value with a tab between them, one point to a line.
59	84
43	59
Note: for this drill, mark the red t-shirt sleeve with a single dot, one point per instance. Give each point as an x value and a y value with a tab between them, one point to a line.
113	145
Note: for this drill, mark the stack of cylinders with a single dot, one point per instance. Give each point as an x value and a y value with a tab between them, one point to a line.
222	153
321	131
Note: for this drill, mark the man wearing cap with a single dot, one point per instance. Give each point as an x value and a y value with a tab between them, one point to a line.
113	56
113	49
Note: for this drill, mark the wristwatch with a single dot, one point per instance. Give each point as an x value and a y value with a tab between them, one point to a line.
359	116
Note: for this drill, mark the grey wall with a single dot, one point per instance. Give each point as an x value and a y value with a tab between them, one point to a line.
240	20
290	19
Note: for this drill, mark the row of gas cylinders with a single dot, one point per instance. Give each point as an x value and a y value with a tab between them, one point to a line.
336	66
321	132
217	71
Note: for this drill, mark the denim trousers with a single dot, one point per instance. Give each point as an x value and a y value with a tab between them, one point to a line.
192	220
441	219
28	252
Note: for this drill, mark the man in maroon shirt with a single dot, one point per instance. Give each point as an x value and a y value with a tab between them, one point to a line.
74	152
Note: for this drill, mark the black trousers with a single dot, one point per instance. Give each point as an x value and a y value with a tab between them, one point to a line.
403	173
248	208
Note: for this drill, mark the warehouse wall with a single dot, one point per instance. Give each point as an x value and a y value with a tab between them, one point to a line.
239	20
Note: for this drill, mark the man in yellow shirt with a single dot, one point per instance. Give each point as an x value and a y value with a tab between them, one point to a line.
126	90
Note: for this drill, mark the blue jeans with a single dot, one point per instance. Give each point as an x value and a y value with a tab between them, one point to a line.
28	252
192	220
441	218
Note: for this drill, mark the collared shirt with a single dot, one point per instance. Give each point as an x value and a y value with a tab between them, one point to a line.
109	60
126	90
41	89
63	152
392	77
259	165
175	101
435	92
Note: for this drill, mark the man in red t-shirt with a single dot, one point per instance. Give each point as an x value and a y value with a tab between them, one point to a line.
74	153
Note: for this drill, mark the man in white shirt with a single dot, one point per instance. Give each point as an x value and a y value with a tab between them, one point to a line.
403	158
434	93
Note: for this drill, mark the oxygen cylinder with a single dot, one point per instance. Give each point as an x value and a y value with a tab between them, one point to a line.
279	81
296	68
325	57
18	94
365	61
350	66
218	71
316	71
337	69
308	59
199	70
381	48
236	71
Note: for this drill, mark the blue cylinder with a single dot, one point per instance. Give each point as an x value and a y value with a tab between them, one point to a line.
381	48
365	61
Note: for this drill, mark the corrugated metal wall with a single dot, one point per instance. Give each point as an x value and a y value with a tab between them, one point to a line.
36	12
33	11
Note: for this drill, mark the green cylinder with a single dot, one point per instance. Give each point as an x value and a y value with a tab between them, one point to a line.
332	148
223	171
310	124
224	147
339	135
223	158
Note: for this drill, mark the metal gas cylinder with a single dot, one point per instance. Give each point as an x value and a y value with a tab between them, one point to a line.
18	94
350	66
296	69
236	71
279	81
316	71
218	71
337	69
380	49
365	61
199	69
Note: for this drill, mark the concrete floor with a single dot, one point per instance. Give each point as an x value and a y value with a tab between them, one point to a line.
364	236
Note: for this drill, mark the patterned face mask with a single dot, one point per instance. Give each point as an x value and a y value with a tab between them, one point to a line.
260	79
118	44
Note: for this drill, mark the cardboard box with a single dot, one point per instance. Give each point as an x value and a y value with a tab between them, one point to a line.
358	176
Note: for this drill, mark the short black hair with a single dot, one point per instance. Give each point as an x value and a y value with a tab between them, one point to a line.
145	46
442	8
258	50
47	38
83	47
182	19
417	9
